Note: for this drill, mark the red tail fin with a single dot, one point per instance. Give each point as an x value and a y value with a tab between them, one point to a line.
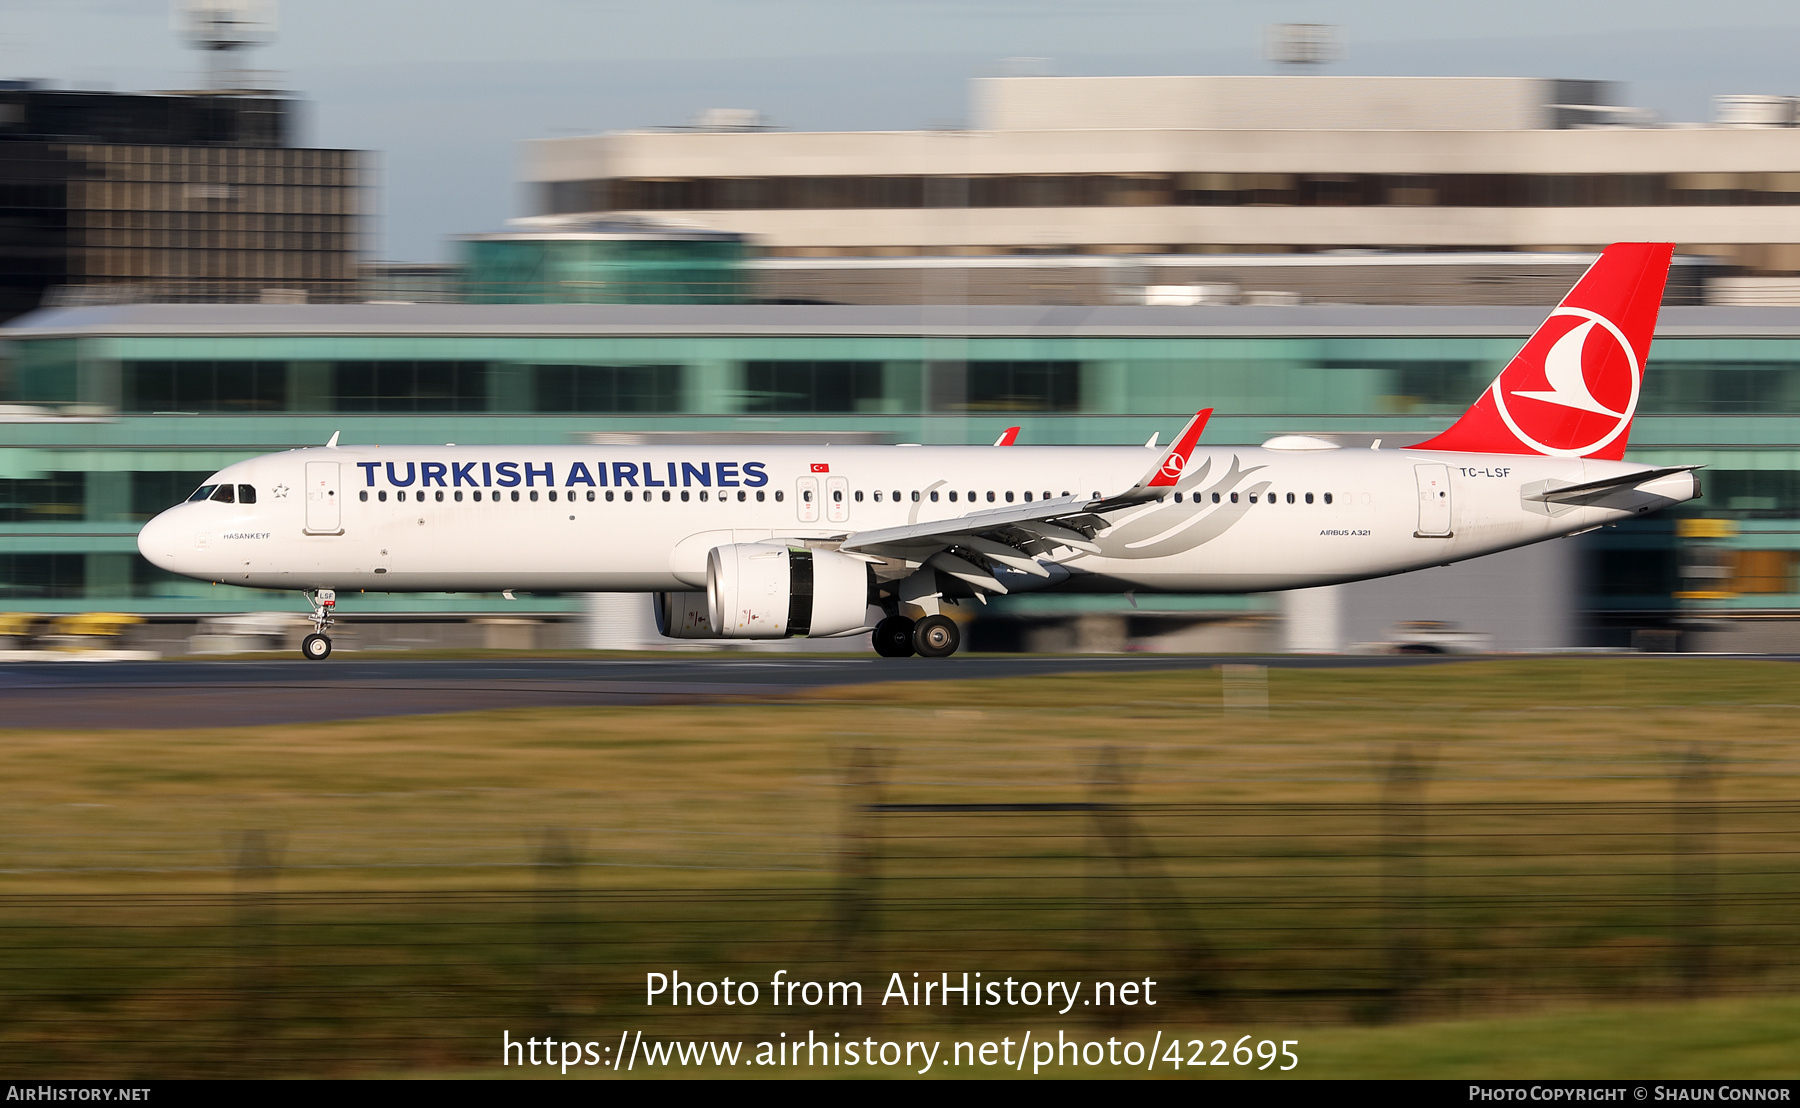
1573	388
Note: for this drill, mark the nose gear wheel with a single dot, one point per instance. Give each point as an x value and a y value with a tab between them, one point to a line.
316	647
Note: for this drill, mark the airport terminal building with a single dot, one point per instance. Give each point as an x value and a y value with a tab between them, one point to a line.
113	413
1052	176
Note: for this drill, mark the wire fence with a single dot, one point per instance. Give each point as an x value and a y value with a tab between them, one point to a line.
363	948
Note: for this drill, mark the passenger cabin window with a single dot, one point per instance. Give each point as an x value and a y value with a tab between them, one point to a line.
204	492
1327	498
225	494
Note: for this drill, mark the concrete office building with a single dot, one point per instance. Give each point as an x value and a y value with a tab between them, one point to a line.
1167	171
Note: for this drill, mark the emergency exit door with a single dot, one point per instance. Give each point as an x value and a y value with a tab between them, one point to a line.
323	513
1434	501
806	499
837	499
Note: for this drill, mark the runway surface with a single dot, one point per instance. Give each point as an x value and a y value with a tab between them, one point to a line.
79	695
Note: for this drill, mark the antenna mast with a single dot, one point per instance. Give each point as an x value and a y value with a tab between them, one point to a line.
221	28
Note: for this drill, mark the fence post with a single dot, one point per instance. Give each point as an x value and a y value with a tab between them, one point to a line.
1403	907
1244	689
557	926
859	854
1198	973
1107	885
1696	870
253	873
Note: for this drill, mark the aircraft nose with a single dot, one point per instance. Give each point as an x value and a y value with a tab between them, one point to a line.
157	541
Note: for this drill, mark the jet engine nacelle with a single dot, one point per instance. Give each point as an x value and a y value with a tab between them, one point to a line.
774	591
682	615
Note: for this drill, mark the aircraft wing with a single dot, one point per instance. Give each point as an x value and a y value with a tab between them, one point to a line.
971	547
1038	519
1015	536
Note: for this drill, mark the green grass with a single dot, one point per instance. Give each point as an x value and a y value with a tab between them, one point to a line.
419	898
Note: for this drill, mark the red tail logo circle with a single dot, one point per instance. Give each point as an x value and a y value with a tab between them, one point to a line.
1576	391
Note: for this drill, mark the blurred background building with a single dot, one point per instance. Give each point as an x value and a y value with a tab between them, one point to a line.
1229	186
1092	260
169	197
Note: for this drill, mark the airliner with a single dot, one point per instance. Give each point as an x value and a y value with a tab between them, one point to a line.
745	542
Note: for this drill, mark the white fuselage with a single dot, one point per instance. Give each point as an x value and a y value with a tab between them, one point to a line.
408	519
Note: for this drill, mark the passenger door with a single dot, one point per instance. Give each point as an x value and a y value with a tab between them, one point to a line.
324	514
1434	501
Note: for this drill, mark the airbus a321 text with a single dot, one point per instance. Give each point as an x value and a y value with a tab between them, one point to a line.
756	543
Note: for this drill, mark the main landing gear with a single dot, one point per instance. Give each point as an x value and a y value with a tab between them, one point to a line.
931	637
893	637
316	647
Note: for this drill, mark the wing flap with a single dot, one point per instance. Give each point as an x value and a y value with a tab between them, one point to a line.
942	532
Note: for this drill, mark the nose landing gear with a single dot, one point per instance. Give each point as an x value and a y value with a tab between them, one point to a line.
316	647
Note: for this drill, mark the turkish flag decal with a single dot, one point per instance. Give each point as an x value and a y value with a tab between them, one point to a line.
821	467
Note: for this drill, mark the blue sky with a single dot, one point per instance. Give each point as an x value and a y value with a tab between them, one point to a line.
445	89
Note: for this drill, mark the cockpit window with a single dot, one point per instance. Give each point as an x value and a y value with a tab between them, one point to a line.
246	494
225	494
204	492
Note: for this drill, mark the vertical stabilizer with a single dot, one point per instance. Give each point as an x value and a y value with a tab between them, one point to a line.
1572	390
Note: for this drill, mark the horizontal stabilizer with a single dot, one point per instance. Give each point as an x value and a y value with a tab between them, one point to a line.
1590	490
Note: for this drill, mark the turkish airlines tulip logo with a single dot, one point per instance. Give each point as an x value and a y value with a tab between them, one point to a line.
1578	393
1173	465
